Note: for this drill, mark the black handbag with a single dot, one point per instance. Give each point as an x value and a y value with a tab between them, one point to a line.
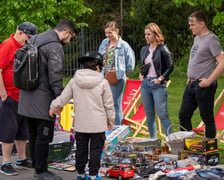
144	69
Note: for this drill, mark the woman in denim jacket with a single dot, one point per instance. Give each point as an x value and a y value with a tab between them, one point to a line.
118	56
153	87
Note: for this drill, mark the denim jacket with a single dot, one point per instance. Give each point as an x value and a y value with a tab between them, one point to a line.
161	60
124	57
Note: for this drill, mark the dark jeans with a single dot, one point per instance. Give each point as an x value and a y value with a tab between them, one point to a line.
203	98
86	142
40	135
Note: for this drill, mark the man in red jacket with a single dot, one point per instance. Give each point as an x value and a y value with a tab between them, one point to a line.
13	127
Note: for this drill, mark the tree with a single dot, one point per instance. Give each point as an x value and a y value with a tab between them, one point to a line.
215	5
104	11
213	9
44	13
171	19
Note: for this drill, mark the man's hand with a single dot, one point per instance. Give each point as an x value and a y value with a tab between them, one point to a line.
4	97
204	83
3	92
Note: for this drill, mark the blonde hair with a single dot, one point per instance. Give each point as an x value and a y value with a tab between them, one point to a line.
156	30
112	25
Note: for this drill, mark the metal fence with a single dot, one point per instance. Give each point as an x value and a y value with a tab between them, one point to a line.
85	41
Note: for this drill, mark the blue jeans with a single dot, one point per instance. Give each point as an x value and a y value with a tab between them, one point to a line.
195	96
154	98
117	91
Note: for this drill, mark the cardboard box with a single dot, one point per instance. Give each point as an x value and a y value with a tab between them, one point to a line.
143	144
117	133
211	159
59	148
114	135
200	144
59	151
172	157
205	158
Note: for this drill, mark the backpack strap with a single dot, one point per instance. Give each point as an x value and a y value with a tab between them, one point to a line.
43	43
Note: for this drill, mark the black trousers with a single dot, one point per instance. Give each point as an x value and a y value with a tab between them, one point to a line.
40	135
203	98
89	143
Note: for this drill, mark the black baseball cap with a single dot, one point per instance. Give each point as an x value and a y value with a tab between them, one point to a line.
28	28
91	56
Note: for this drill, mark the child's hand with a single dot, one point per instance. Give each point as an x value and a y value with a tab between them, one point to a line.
56	111
110	124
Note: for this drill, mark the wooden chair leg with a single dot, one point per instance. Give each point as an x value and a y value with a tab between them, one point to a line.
139	128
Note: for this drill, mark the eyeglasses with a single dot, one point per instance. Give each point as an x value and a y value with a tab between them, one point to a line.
72	35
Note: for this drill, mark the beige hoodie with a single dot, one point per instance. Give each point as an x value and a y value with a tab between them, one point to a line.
93	101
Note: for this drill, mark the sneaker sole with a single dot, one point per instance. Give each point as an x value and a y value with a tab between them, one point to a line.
8	174
23	167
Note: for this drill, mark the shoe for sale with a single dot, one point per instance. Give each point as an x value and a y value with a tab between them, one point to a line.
46	176
8	170
23	164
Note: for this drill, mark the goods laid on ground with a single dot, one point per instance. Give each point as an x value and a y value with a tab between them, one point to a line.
153	158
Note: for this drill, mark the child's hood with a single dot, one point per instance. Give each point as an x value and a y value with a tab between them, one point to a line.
87	78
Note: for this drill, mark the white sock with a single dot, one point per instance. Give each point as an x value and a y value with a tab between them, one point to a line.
92	177
82	175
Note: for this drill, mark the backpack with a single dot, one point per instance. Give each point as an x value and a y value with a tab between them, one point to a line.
26	66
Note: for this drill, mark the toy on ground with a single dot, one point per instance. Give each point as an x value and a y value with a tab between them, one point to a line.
121	171
145	171
165	164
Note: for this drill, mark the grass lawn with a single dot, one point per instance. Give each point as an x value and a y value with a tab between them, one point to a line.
175	92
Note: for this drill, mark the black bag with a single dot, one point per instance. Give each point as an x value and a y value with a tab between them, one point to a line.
144	69
26	66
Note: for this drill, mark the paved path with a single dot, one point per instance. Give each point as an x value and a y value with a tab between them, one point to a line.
28	174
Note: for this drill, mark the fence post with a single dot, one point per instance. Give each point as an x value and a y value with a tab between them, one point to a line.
82	42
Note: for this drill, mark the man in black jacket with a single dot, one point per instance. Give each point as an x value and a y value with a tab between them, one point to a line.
34	105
